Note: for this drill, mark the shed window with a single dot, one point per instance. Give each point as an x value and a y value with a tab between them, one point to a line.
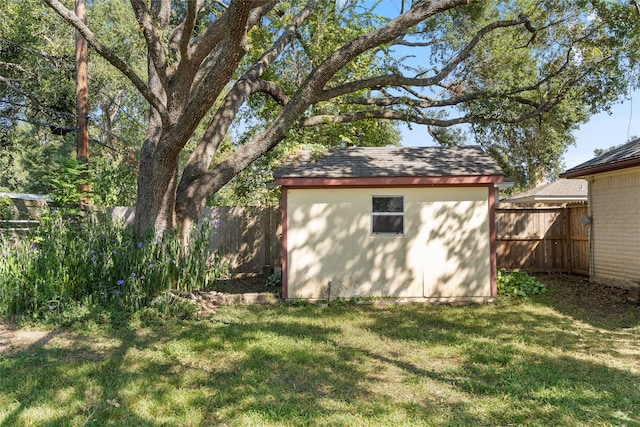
387	214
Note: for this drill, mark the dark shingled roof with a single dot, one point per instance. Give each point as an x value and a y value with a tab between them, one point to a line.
361	162
625	156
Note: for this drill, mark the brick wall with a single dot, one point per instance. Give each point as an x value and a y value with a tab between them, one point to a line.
615	201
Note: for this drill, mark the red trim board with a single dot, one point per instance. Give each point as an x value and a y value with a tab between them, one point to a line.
285	255
492	234
389	181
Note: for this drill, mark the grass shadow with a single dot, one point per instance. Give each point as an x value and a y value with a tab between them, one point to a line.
534	365
335	365
595	304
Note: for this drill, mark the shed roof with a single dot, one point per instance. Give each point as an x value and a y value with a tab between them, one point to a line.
373	162
625	156
559	191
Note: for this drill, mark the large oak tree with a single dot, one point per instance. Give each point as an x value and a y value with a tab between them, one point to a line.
510	69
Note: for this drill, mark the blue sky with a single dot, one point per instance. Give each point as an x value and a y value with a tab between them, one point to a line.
602	131
605	130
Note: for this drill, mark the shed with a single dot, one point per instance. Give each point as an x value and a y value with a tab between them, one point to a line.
401	222
614	203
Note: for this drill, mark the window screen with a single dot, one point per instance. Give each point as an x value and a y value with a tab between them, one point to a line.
387	214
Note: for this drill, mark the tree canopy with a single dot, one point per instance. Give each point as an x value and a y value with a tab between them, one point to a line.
37	102
227	83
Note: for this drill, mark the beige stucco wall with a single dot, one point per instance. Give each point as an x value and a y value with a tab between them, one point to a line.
615	209
444	253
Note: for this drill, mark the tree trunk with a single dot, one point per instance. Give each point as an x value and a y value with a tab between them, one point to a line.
156	193
157	179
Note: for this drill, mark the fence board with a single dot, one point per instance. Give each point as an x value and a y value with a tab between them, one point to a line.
15	227
542	239
248	238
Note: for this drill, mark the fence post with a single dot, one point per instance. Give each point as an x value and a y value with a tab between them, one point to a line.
567	222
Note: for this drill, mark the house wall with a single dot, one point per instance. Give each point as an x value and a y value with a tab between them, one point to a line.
443	255
615	209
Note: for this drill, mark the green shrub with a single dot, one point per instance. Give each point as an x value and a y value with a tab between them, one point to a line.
273	280
518	284
69	262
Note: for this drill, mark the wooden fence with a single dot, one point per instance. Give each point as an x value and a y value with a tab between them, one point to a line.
534	239
15	227
248	238
542	239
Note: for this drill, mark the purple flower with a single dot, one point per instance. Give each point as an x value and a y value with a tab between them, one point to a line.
51	307
115	252
4	254
120	282
140	245
92	252
117	292
142	277
133	274
174	261
150	265
93	259
33	246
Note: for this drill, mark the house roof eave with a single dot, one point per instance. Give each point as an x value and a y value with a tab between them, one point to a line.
581	173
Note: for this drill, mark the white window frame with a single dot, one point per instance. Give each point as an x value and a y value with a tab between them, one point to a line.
400	214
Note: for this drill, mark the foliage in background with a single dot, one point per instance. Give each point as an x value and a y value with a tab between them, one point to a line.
37	101
7	210
70	263
518	284
63	181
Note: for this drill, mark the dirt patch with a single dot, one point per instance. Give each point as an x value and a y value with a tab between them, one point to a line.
243	284
12	339
591	302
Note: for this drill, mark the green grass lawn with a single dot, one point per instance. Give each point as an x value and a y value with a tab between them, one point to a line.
546	362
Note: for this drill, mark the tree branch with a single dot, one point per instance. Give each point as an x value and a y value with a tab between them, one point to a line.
400	41
211	180
113	59
250	82
205	92
18	90
218	30
424	120
152	34
398	80
271	89
182	35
